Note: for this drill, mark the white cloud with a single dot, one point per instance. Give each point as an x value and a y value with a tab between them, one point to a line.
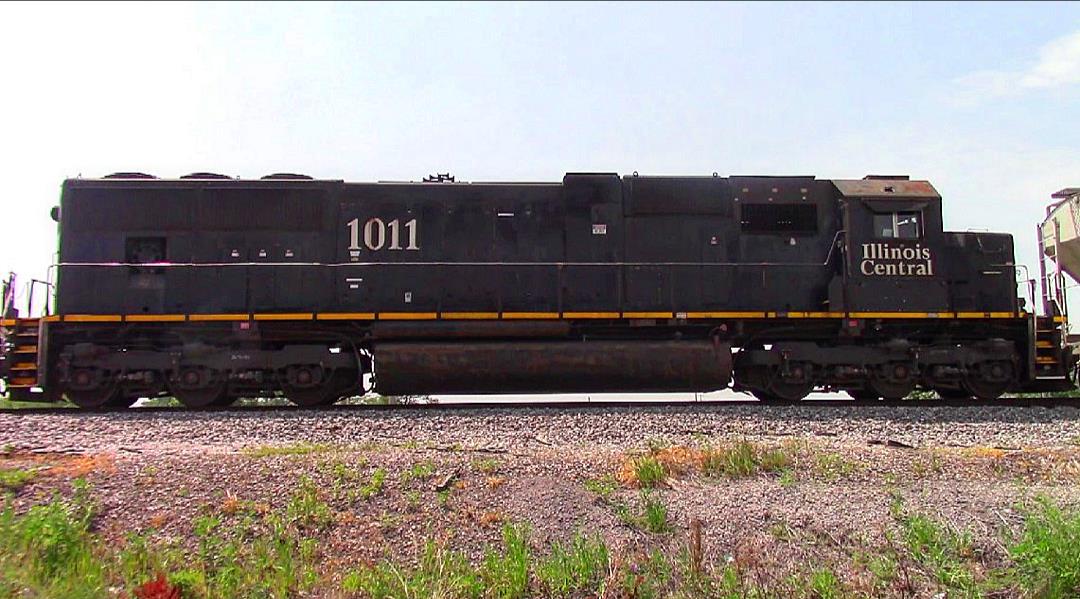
1058	65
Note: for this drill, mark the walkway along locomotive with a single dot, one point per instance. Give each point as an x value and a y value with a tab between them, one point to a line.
209	288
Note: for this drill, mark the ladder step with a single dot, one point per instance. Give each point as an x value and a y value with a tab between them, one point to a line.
1044	344
26	349
1045	360
24	366
22	382
26	334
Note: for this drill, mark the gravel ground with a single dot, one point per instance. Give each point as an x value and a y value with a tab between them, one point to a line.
849	469
599	427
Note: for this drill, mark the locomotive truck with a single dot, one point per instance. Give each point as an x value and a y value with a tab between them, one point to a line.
208	288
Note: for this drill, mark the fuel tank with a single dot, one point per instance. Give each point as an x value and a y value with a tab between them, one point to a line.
550	367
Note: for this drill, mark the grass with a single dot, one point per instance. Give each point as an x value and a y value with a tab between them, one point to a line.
52	550
832	466
487	465
506	573
305	509
263	451
788	478
419	471
944	552
649	472
440	572
603	488
743	459
577	568
654	514
1047	554
7	404
13	479
651	514
374	486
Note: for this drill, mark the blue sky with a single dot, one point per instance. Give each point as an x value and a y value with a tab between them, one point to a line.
981	99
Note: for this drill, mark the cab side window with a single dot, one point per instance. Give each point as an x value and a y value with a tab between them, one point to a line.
898	225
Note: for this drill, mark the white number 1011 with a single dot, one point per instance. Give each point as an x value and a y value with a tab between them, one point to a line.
375	234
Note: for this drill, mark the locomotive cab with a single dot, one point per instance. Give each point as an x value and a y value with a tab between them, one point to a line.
893	246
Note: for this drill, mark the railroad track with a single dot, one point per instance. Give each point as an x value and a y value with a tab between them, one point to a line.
594	406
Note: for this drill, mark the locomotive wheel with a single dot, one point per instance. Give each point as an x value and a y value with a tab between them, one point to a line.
329	391
92	388
786	392
989	380
198	387
892	381
793	385
769	385
101	397
310	398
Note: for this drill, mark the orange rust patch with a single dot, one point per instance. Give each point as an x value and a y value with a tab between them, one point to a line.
494	482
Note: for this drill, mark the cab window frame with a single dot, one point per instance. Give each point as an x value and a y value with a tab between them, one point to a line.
896	220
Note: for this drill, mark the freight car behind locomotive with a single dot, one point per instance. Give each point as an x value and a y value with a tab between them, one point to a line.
209	289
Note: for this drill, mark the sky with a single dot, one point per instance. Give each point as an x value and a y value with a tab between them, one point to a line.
982	100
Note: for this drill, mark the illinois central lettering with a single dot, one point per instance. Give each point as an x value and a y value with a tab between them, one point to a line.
884	260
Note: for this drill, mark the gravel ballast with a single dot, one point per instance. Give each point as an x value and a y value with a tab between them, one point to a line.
599	426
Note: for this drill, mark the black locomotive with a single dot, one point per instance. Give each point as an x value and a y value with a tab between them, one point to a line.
209	288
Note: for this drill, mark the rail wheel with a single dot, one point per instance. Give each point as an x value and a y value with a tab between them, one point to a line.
788	385
199	387
91	388
93	398
311	386
989	380
892	381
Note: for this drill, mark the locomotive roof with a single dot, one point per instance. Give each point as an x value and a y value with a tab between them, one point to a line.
871	187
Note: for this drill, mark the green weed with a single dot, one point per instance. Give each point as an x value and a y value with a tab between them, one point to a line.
13	479
577	568
374	486
655	514
487	465
305	509
419	471
743	459
262	451
602	487
649	472
1048	553
506	573
832	466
